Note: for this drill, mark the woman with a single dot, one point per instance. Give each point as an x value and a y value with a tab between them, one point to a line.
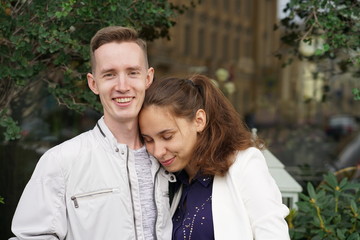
226	189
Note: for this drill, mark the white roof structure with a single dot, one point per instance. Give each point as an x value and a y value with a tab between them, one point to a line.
277	170
288	186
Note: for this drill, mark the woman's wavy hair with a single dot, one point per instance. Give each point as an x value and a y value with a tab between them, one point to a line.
225	132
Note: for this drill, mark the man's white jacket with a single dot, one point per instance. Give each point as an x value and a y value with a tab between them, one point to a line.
86	188
246	202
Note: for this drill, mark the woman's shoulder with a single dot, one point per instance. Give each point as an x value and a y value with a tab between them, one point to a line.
248	153
251	155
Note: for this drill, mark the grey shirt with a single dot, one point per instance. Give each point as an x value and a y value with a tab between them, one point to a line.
146	186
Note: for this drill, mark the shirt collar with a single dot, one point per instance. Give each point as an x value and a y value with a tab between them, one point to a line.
204	180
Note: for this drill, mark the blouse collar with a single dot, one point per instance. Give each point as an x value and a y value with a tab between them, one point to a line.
204	180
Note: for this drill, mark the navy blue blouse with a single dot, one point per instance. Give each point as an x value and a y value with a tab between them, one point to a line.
193	217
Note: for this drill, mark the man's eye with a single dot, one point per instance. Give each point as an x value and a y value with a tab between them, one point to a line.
148	140
134	73
108	75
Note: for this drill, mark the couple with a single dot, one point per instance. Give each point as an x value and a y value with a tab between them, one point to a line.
104	183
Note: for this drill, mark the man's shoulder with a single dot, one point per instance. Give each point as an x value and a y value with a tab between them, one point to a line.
64	155
73	146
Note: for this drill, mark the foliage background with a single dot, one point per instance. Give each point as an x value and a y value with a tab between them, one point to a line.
330	211
336	23
44	45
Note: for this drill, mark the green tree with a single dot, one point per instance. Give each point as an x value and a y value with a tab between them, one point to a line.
335	22
45	43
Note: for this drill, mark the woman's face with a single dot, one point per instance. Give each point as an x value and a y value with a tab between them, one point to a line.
169	138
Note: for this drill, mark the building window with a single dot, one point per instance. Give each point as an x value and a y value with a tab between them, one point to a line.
238	29
249	43
214	44
248	9
248	48
226	5
190	14
236	47
225	49
203	18
227	26
215	22
201	43
187	40
237	7
215	3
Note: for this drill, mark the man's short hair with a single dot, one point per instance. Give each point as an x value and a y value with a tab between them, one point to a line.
116	34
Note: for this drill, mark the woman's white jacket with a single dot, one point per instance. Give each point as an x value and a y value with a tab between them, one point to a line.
86	188
246	202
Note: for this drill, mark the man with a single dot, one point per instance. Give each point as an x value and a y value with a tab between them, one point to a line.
102	184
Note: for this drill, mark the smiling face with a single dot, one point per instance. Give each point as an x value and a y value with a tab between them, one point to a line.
170	139
120	77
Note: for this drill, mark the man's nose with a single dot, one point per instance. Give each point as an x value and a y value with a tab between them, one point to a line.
122	83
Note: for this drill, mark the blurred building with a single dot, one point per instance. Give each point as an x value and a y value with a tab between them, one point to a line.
236	35
315	91
239	36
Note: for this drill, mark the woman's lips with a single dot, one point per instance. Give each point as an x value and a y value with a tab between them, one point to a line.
168	162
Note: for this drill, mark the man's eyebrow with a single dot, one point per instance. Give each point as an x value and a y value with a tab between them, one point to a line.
134	68
106	70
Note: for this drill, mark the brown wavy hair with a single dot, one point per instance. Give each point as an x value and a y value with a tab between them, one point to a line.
225	131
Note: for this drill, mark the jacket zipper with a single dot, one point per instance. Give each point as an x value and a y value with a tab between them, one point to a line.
77	196
156	207
130	189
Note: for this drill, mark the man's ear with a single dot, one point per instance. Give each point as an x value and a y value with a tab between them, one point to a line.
149	77
200	120
92	83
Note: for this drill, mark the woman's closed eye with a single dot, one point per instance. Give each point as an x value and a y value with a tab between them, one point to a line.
167	137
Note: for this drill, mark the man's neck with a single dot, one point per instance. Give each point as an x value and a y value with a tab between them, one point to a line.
126	133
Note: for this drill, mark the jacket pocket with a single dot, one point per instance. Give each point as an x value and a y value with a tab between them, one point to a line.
75	198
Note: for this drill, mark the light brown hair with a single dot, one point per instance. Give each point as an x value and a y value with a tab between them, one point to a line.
225	131
115	34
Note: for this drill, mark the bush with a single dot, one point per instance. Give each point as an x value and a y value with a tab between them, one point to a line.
331	211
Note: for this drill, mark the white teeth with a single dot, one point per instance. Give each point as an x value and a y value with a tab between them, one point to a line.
122	100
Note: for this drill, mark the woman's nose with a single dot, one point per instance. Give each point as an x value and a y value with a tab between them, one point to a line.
159	150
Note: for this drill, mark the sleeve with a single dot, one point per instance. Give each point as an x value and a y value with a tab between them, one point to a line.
41	211
261	197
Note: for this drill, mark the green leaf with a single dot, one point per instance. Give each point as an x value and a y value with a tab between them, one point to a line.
354	236
340	233
354	207
311	191
331	180
356	93
343	183
12	130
